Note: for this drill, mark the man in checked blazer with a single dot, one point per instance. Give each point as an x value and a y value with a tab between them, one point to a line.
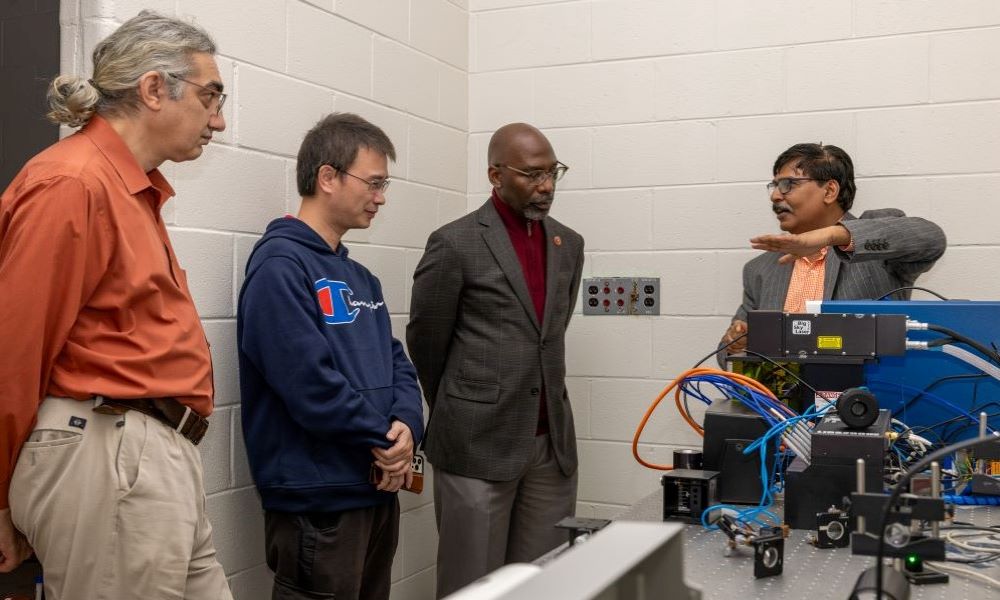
827	253
492	297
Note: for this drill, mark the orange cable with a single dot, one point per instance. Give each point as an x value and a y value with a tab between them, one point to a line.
677	383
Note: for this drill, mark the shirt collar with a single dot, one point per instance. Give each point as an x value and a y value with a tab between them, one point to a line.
815	258
121	158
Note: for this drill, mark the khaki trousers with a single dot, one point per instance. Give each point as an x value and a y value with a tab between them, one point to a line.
114	506
483	525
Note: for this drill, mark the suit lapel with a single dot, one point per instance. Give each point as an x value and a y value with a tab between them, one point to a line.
553	262
778	291
498	241
832	269
830	272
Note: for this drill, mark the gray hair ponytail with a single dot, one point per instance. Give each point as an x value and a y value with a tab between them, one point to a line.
146	42
72	100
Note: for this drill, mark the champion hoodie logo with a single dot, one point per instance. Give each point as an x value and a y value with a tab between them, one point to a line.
337	304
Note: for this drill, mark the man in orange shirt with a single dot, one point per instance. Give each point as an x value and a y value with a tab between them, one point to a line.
106	376
826	252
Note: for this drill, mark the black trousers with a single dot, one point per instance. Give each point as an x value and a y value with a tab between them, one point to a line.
345	555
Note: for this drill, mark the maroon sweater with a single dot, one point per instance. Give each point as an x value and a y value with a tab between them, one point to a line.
528	239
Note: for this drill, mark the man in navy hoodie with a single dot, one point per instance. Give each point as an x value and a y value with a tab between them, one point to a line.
327	391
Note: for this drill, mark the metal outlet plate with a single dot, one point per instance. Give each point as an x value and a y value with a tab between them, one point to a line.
621	296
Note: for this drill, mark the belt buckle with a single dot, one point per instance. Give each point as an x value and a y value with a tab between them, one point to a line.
101	406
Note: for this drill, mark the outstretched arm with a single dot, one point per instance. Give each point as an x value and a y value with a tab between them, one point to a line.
908	245
793	245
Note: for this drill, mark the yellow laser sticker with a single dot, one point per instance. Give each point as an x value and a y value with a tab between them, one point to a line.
830	342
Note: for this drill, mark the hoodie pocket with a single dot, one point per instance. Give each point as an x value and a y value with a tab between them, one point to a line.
339	464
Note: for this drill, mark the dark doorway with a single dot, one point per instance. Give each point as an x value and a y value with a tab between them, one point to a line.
29	59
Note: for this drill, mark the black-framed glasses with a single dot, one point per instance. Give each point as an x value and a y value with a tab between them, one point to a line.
538	176
375	185
215	93
785	184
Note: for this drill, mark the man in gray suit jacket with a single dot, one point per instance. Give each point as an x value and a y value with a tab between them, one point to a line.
492	297
879	254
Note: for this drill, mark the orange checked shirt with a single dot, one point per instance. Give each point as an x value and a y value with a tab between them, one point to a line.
806	282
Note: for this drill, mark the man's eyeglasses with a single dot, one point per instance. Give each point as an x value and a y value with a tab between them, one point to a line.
215	93
538	176
375	185
785	184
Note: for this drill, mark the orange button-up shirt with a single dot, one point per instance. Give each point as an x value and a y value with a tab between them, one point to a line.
92	300
806	282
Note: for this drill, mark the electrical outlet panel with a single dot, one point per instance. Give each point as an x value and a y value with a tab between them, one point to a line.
621	296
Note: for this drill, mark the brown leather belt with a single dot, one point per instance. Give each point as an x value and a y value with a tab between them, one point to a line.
166	410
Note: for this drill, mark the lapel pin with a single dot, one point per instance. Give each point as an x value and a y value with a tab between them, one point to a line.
557	240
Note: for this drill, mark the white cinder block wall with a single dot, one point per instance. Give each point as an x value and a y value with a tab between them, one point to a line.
286	63
670	114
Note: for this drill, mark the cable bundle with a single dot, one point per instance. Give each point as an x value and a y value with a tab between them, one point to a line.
795	431
785	424
753	394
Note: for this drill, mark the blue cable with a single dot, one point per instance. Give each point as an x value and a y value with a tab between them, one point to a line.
928	395
765	406
779	428
757	401
760	514
755	514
